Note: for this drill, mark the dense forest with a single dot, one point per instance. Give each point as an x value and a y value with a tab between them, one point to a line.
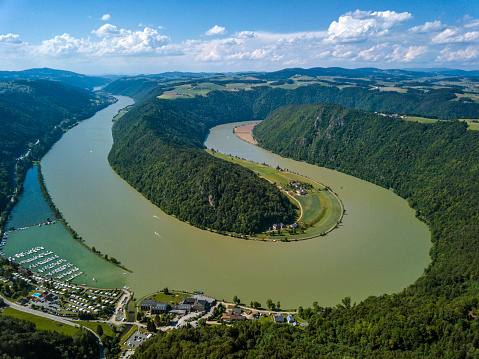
158	149
32	111
20	339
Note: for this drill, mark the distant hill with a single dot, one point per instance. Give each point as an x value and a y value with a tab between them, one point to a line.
369	72
66	77
446	72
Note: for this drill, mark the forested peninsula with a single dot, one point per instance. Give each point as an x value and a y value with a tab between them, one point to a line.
33	116
158	149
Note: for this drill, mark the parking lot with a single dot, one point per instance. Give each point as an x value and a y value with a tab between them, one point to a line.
136	339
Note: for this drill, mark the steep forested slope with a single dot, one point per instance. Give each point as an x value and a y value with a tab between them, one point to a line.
30	111
158	149
133	87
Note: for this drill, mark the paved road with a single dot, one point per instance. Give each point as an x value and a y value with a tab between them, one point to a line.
57	319
269	312
125	297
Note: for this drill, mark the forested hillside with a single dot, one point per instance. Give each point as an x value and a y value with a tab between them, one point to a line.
132	87
183	123
158	149
31	111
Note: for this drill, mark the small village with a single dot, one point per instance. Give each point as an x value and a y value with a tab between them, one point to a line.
134	320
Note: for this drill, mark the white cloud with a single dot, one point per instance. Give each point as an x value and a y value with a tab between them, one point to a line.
360	37
472	24
107	30
359	25
374	53
216	30
344	51
64	45
250	55
467	54
10	39
455	35
392	53
106	17
428	27
245	35
407	54
114	41
127	42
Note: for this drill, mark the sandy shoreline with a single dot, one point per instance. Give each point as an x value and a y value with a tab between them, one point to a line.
244	132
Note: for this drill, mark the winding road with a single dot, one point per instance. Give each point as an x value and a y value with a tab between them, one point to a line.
56	319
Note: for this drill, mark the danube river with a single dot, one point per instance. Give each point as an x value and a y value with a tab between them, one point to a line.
380	247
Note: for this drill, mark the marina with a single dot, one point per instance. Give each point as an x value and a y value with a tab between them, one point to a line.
39	263
39	243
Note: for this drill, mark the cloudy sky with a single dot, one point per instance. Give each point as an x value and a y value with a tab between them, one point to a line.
128	37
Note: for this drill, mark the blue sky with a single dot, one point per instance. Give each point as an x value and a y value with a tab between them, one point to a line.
125	37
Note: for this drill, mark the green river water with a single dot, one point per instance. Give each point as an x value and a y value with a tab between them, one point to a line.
380	247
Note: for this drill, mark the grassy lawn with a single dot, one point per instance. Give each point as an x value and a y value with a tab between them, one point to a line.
281	178
472	124
392	88
119	115
420	119
131	307
265	319
174	298
311	205
93	325
186	91
321	209
41	323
